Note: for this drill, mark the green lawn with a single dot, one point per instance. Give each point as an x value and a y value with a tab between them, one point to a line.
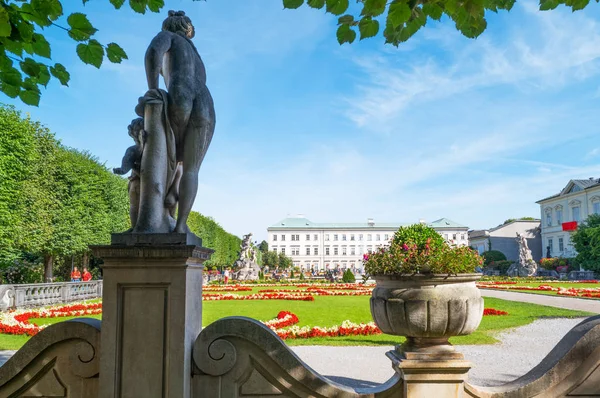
329	311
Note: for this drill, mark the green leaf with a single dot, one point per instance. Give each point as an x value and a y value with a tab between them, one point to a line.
117	3
337	7
546	5
30	67
398	13
51	9
11	76
373	7
12	46
59	72
345	34
345	19
316	3
11	91
368	27
5	27
138	6
115	53
292	3
81	28
30	97
44	76
91	53
25	31
155	5
31	15
40	46
579	4
433	10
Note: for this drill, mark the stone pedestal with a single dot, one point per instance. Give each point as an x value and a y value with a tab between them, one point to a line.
435	376
152	313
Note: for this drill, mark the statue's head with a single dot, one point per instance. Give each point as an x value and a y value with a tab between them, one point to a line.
177	22
135	128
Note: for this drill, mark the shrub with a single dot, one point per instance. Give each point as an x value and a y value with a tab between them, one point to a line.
502	266
492	255
348	277
301	276
292	274
419	249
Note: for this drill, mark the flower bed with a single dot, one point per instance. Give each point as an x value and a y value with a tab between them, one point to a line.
17	322
561	291
288	319
258	296
232	288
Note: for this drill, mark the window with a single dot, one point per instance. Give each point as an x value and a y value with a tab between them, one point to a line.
453	236
326	236
559	218
282	238
576	213
283	250
353	251
316	250
549	217
596	207
360	236
550	245
462	236
274	248
386	237
343	250
361	250
274	238
316	237
335	237
335	251
561	245
352	237
307	236
446	236
369	237
369	249
343	236
308	251
327	250
293	237
295	250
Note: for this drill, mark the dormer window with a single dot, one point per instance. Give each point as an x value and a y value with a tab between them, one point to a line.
559	214
548	217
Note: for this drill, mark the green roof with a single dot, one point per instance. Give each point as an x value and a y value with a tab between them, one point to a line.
305	223
445	223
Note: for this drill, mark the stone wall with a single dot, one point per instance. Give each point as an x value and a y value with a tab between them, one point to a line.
40	294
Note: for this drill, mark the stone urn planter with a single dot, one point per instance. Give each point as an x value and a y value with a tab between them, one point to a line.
427	309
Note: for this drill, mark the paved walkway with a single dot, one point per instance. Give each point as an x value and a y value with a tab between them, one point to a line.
570	303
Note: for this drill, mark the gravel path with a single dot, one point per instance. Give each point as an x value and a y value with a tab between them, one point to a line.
570	303
521	349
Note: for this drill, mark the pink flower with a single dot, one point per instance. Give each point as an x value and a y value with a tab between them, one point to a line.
405	247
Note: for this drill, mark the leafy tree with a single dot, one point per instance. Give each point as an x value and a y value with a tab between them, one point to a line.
284	262
401	19
586	241
225	245
491	256
270	259
348	276
263	246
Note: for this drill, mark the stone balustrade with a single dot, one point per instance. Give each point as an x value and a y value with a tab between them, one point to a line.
40	294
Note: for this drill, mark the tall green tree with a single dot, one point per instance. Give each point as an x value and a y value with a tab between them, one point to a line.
263	246
225	245
586	241
285	262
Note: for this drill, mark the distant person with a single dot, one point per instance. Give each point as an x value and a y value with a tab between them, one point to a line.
226	275
87	275
75	275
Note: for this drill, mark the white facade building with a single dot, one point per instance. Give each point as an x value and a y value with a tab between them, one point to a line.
342	245
562	213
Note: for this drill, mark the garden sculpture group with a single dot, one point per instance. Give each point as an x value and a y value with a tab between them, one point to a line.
246	266
152	344
526	266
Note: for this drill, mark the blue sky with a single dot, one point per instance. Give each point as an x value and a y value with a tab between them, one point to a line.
443	126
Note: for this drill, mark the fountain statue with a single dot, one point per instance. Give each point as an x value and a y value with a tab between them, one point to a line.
246	266
526	266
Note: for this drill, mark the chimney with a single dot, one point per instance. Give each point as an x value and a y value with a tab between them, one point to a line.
370	222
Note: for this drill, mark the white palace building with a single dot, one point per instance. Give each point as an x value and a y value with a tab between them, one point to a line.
342	245
562	213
